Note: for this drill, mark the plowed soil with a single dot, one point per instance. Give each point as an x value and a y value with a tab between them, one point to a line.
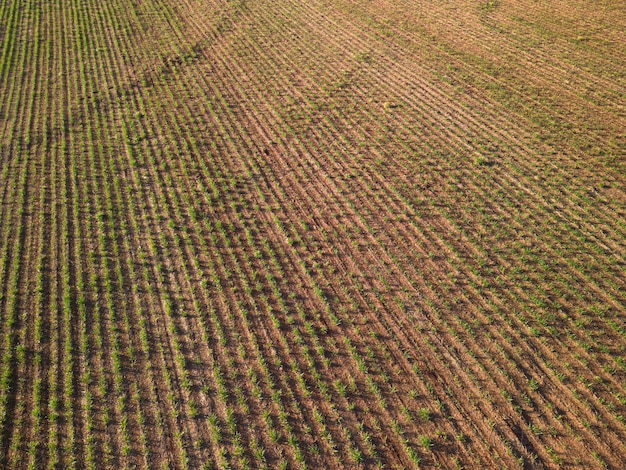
312	234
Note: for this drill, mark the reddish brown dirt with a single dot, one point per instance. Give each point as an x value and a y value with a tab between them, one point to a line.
322	234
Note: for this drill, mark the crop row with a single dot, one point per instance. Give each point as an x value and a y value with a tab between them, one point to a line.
274	234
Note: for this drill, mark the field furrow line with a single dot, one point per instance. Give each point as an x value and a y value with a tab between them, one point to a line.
23	249
275	234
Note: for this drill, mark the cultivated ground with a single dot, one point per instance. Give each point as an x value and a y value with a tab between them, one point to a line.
312	234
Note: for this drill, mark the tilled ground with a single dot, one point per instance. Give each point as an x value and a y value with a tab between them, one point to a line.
283	234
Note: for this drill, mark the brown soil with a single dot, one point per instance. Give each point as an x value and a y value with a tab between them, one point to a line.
322	234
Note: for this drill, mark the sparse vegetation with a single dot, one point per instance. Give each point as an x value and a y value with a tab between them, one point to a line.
285	234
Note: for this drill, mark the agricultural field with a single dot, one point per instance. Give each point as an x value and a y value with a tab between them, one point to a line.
323	234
